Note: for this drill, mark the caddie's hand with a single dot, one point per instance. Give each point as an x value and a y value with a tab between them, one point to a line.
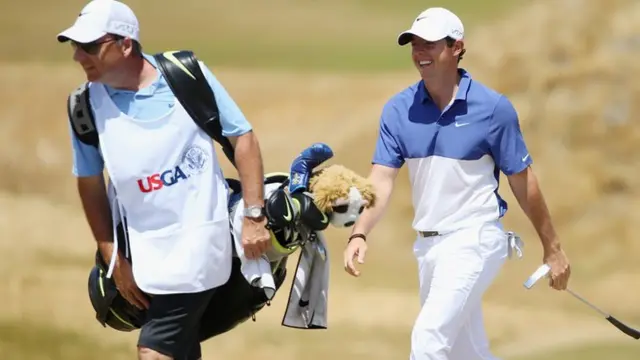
356	249
255	237
560	268
126	285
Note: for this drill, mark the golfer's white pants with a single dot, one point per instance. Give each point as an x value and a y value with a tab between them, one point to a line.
455	269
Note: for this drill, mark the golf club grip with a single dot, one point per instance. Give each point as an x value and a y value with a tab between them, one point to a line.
624	328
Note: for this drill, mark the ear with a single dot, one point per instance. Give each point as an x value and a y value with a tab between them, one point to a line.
458	47
126	45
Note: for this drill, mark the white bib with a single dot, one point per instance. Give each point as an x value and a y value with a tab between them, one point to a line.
173	194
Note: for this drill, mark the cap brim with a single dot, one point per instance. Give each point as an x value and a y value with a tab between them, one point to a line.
405	37
80	34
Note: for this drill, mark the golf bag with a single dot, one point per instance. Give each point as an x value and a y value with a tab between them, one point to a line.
232	304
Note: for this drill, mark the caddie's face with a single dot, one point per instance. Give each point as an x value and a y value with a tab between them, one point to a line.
99	58
432	57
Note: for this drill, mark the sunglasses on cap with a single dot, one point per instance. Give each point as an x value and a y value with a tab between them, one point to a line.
93	47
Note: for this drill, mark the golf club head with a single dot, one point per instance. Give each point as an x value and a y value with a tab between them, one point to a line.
541	272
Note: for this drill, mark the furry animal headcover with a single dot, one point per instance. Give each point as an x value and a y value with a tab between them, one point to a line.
341	193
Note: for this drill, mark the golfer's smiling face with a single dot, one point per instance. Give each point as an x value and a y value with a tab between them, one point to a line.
431	57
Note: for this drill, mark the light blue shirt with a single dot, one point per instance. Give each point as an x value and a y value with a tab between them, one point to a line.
152	102
454	156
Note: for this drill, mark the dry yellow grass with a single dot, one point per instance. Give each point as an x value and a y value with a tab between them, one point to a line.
572	80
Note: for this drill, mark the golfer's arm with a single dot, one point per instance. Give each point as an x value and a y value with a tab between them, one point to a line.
526	190
93	196
383	179
250	167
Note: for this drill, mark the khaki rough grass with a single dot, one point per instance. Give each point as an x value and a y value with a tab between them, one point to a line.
572	81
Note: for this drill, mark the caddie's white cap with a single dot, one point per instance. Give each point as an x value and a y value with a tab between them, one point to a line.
434	24
101	17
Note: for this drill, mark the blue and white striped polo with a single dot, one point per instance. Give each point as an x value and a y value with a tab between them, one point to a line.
454	157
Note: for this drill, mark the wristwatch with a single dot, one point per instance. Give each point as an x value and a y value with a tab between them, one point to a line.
254	211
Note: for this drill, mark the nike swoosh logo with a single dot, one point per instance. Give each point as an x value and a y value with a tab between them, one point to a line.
324	218
169	56
461	124
525	157
288	206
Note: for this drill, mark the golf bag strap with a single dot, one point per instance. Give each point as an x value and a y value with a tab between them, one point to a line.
81	116
185	78
182	71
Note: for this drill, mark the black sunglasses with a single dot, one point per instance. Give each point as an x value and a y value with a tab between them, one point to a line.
93	47
341	209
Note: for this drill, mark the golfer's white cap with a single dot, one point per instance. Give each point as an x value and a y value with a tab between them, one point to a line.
101	17
434	24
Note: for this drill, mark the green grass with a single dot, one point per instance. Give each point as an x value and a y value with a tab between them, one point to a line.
357	35
622	351
30	341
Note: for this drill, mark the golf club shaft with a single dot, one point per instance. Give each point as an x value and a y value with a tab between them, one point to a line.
615	322
543	271
587	302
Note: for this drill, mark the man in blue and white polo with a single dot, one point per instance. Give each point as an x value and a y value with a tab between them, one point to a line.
456	135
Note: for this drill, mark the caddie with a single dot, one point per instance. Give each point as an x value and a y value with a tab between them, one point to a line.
165	180
456	135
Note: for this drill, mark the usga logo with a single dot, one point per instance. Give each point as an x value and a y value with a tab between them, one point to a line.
194	161
159	180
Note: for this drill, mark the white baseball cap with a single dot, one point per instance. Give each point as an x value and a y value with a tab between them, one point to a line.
101	17
434	24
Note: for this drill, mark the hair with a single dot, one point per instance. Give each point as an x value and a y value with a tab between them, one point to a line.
450	42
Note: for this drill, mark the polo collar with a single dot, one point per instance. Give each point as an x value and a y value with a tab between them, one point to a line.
147	91
461	94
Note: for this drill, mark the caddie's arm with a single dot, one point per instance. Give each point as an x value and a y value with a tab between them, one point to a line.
88	166
93	196
248	159
239	131
250	168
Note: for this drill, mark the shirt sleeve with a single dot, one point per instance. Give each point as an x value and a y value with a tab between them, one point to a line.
87	160
506	142
387	151
232	120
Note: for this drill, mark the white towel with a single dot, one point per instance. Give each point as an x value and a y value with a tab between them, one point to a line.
308	298
256	271
515	243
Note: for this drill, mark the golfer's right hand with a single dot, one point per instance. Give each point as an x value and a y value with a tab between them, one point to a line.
126	285
356	249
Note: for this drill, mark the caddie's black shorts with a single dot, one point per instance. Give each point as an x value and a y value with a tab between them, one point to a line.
172	324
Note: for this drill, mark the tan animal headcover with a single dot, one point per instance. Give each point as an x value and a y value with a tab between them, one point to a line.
331	186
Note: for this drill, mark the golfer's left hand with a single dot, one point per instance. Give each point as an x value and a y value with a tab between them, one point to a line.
255	237
560	269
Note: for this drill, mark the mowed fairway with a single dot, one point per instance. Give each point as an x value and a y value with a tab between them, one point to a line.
305	72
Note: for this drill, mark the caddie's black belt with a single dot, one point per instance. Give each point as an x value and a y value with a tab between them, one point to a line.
428	233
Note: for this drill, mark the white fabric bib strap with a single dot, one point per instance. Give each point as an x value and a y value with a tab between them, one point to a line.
173	195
